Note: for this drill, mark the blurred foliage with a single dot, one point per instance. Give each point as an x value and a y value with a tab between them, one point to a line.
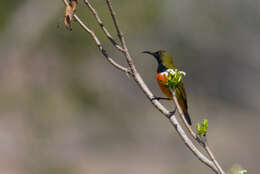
6	9
237	169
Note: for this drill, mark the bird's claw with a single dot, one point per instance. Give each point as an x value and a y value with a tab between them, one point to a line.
172	113
160	98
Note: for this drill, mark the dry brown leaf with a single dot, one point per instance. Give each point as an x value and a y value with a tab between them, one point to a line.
74	4
68	17
69	13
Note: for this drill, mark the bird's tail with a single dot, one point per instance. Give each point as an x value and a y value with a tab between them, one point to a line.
187	117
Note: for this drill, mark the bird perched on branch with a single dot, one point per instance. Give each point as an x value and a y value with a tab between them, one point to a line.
165	63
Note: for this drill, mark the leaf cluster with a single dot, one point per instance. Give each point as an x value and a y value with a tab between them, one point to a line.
173	78
202	128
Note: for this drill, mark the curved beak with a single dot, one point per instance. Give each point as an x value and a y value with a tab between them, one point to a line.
149	52
154	54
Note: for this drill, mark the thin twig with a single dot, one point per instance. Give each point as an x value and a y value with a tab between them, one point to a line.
122	38
113	15
175	100
108	35
191	146
195	136
213	158
103	51
98	43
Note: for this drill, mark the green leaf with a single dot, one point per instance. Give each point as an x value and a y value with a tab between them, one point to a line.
202	128
205	123
199	129
243	172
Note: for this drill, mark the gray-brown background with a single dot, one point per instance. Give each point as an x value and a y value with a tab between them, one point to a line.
65	110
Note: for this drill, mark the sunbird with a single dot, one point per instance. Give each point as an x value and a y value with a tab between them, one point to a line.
165	62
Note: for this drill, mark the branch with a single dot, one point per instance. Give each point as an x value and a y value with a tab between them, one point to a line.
138	79
157	104
113	15
122	40
195	136
108	35
213	158
190	145
98	43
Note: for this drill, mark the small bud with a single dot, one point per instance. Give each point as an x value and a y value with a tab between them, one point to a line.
202	128
183	73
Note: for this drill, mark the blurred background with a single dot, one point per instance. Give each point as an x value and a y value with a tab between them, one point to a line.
65	110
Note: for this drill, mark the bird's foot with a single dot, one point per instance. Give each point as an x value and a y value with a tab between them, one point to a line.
172	113
160	98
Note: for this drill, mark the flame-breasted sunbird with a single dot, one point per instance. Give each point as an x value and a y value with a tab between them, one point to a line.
165	62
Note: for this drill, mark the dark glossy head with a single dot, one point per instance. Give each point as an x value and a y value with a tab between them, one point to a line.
163	57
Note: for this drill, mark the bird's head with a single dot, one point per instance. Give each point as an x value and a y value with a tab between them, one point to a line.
162	57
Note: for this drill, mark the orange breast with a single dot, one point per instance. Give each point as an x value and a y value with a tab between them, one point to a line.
161	79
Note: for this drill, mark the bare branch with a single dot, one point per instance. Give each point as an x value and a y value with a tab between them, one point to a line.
123	42
157	104
191	146
174	122
213	158
98	43
113	14
138	79
129	59
195	136
108	35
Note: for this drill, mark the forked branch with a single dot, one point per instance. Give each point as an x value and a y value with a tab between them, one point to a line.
98	43
101	24
195	136
131	69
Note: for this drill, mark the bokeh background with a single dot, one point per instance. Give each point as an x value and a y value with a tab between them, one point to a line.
65	110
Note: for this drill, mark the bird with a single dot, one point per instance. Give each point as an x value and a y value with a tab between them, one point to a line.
165	63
